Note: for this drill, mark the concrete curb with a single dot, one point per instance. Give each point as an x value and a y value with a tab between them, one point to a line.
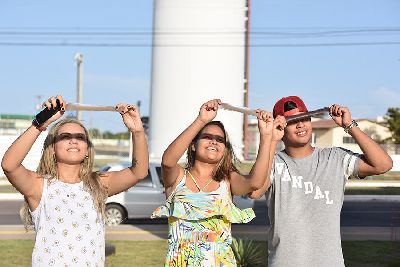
4	182
11	196
365	183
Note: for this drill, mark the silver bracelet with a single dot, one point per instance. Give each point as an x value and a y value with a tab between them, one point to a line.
351	125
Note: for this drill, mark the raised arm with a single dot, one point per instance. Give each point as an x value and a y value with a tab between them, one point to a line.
277	134
119	181
170	168
374	160
27	182
241	185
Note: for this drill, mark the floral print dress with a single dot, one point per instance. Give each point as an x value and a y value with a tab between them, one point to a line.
200	226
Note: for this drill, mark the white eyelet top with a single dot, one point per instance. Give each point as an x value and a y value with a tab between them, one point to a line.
69	230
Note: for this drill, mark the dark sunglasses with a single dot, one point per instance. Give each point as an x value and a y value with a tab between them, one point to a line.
299	120
69	136
218	138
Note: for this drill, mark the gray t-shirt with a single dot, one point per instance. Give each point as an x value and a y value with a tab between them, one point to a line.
304	204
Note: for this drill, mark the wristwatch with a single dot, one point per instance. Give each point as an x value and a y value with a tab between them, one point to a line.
38	126
351	125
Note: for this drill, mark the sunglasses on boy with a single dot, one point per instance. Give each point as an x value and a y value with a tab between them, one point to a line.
69	136
218	138
299	120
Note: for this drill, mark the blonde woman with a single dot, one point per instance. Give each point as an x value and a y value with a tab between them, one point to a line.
65	199
199	197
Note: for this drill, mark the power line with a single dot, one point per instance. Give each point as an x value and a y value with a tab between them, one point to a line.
141	37
130	30
195	32
194	45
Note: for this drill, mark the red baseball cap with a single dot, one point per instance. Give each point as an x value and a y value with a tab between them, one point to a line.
283	106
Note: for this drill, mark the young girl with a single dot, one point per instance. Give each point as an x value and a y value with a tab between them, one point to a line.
199	197
65	198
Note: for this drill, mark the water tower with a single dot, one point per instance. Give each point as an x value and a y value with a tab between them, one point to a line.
199	51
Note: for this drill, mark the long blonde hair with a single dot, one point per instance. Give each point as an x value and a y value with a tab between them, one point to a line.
47	169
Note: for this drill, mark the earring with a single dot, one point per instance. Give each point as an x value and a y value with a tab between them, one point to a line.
54	157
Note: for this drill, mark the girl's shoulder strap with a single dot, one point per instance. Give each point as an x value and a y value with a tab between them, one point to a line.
182	182
224	187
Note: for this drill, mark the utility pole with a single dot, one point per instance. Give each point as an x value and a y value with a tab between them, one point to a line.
39	102
79	82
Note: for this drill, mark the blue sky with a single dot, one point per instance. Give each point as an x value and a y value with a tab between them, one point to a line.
345	52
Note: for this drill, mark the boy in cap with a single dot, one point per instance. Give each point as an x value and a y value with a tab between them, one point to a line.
306	187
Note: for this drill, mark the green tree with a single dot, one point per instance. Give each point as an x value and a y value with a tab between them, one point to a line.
94	133
108	135
120	135
393	120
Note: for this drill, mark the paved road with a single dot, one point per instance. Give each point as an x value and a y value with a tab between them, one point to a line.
257	232
360	221
354	214
9	212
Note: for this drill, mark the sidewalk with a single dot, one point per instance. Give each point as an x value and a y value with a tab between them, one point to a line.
372	183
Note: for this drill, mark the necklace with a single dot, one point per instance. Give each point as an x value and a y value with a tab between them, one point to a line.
197	185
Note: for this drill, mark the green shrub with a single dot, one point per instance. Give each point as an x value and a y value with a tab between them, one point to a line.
249	253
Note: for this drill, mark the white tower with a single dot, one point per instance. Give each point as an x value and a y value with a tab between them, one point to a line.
198	54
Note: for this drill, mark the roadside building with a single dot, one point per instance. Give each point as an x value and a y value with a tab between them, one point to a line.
14	124
11	126
327	134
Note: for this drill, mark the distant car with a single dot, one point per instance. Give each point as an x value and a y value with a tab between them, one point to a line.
142	199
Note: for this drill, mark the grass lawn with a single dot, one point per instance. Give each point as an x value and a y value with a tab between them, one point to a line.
7	189
137	253
151	253
385	176
371	253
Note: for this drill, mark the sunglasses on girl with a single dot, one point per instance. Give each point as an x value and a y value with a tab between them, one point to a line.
218	138
69	136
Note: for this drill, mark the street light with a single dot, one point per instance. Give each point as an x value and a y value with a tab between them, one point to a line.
79	82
